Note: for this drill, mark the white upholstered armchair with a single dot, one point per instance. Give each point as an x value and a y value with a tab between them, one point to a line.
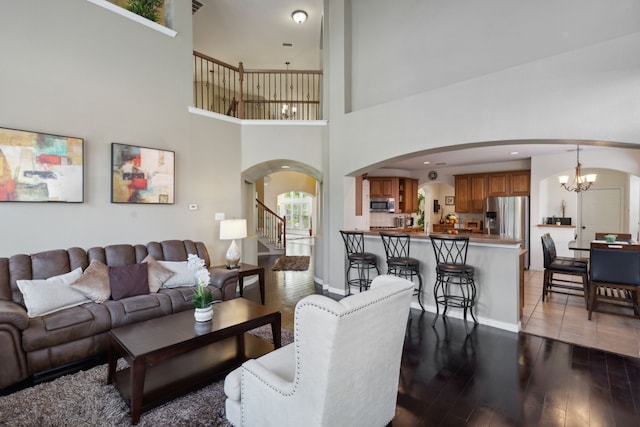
341	370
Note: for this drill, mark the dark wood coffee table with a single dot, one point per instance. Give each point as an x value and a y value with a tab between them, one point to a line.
174	354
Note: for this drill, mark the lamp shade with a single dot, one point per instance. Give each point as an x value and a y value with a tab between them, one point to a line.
231	229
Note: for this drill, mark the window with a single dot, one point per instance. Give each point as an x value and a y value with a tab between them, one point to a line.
296	207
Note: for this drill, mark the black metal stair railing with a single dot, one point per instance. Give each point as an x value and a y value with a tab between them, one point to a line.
256	94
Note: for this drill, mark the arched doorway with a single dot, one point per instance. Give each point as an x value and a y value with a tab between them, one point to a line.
266	181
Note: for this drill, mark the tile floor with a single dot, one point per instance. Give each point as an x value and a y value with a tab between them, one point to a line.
564	317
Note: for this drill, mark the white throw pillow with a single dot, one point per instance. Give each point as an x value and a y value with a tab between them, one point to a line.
46	296
182	274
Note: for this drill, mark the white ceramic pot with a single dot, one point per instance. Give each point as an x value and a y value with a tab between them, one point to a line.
203	314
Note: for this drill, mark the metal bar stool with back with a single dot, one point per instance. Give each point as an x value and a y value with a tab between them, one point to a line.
359	259
399	263
455	285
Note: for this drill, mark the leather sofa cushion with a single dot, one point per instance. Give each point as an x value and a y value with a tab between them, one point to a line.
181	297
138	308
66	325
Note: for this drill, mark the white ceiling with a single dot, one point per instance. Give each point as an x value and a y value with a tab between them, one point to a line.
253	31
502	152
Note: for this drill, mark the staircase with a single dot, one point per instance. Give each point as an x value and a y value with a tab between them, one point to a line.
271	231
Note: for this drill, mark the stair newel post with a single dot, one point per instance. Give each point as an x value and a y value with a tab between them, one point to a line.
241	78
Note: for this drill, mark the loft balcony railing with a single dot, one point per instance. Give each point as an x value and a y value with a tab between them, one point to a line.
256	94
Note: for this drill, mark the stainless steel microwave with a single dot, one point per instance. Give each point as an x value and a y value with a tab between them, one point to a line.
382	205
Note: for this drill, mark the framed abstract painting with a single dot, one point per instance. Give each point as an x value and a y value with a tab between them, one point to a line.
39	167
142	175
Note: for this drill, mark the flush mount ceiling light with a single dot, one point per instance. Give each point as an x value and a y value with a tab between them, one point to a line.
580	182
299	16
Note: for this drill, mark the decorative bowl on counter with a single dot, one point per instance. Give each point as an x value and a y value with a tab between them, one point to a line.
610	238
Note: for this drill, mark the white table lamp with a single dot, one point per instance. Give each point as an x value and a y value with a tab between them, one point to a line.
232	229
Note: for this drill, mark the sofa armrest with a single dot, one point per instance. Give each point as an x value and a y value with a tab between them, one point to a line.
13	314
225	280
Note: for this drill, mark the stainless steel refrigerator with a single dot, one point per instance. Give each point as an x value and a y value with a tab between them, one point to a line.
508	217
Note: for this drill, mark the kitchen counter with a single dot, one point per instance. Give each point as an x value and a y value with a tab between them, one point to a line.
473	237
497	263
414	229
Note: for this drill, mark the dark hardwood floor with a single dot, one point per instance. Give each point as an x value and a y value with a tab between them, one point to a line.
492	377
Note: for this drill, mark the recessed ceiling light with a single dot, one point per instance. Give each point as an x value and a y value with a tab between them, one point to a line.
427	163
299	16
285	167
513	152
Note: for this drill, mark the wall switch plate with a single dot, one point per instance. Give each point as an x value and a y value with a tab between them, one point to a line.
219	216
193	207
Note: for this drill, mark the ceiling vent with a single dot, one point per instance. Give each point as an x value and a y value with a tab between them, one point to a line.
195	6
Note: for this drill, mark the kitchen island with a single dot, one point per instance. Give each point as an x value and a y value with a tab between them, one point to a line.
498	266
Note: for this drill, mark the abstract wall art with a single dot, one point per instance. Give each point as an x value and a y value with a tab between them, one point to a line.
38	167
142	175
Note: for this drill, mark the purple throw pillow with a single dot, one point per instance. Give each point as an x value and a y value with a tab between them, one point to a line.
129	280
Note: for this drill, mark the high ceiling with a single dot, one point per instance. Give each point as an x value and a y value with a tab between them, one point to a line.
253	32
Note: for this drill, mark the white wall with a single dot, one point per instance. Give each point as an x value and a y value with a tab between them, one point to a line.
589	91
434	44
73	68
282	182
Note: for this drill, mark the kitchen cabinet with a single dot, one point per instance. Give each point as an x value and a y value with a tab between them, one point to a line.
470	192
520	183
381	187
510	183
403	190
442	228
472	189
407	195
498	184
359	180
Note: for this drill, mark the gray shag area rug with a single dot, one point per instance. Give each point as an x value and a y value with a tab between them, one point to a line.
85	399
291	263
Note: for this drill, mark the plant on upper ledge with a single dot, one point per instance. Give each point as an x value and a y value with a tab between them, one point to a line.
145	8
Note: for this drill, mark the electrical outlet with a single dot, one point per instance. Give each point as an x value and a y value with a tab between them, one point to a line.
219	216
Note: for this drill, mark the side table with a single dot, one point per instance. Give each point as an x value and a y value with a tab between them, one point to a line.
246	270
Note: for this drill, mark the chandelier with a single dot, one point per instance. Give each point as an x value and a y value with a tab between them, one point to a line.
580	182
288	111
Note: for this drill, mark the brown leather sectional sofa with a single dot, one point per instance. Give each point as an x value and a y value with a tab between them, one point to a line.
53	344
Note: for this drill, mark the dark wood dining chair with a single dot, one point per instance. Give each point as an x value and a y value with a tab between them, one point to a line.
615	277
556	270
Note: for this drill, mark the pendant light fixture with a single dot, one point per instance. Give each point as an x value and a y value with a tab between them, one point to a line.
288	111
580	182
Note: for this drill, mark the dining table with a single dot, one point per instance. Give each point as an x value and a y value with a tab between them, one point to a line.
585	244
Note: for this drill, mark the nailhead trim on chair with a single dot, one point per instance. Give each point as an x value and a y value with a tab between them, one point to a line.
296	379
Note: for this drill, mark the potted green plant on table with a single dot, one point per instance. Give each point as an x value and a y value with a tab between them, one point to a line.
202	298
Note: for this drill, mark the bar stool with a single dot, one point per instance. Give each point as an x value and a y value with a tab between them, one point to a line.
358	258
454	286
399	263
